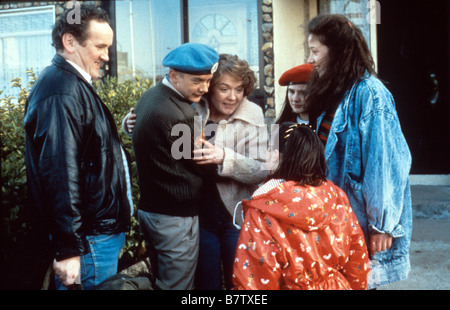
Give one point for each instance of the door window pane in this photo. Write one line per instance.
(229, 26)
(146, 31)
(355, 10)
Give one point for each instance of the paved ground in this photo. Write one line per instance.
(430, 257)
(430, 244)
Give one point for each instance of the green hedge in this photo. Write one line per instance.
(22, 262)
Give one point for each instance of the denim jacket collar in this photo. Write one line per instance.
(339, 122)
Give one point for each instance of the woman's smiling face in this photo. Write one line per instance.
(318, 54)
(226, 96)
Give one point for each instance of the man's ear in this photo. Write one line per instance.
(68, 41)
(173, 76)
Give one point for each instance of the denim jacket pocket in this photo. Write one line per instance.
(355, 195)
(354, 188)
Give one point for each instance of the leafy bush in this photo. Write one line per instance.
(120, 98)
(15, 228)
(22, 264)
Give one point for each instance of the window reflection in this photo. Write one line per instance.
(229, 26)
(146, 30)
(356, 11)
(25, 42)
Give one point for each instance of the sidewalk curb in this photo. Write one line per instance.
(430, 201)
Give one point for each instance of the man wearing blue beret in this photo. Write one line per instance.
(170, 187)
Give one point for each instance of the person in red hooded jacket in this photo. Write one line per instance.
(299, 231)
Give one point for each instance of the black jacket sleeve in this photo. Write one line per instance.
(60, 129)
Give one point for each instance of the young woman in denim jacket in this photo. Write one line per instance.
(366, 151)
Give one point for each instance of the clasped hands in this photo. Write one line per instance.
(208, 153)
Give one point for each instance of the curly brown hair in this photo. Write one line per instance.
(238, 68)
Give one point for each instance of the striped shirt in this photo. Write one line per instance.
(324, 128)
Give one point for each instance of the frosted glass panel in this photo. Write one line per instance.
(25, 42)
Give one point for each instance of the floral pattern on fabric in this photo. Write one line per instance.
(301, 237)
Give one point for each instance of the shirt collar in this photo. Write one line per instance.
(168, 84)
(299, 120)
(83, 73)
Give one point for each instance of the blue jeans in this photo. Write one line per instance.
(101, 262)
(217, 249)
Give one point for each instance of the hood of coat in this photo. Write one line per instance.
(306, 207)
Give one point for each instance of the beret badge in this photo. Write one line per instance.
(214, 67)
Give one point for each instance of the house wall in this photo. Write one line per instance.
(290, 18)
(282, 45)
(59, 5)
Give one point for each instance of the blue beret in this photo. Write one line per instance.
(192, 58)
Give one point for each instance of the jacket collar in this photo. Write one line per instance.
(83, 73)
(339, 121)
(245, 112)
(62, 63)
(295, 204)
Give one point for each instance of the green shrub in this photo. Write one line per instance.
(120, 98)
(21, 261)
(16, 228)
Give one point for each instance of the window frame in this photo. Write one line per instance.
(111, 66)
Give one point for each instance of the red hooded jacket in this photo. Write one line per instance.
(300, 237)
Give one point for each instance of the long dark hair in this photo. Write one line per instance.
(287, 114)
(302, 155)
(349, 59)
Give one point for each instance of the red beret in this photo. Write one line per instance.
(296, 75)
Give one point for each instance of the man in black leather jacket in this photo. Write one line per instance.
(76, 167)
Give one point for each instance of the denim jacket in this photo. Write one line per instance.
(369, 159)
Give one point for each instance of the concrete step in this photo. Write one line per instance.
(431, 201)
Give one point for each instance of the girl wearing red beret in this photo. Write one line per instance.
(295, 79)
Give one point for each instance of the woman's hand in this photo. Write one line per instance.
(379, 243)
(208, 154)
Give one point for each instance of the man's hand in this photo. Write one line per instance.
(379, 243)
(67, 270)
(130, 121)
